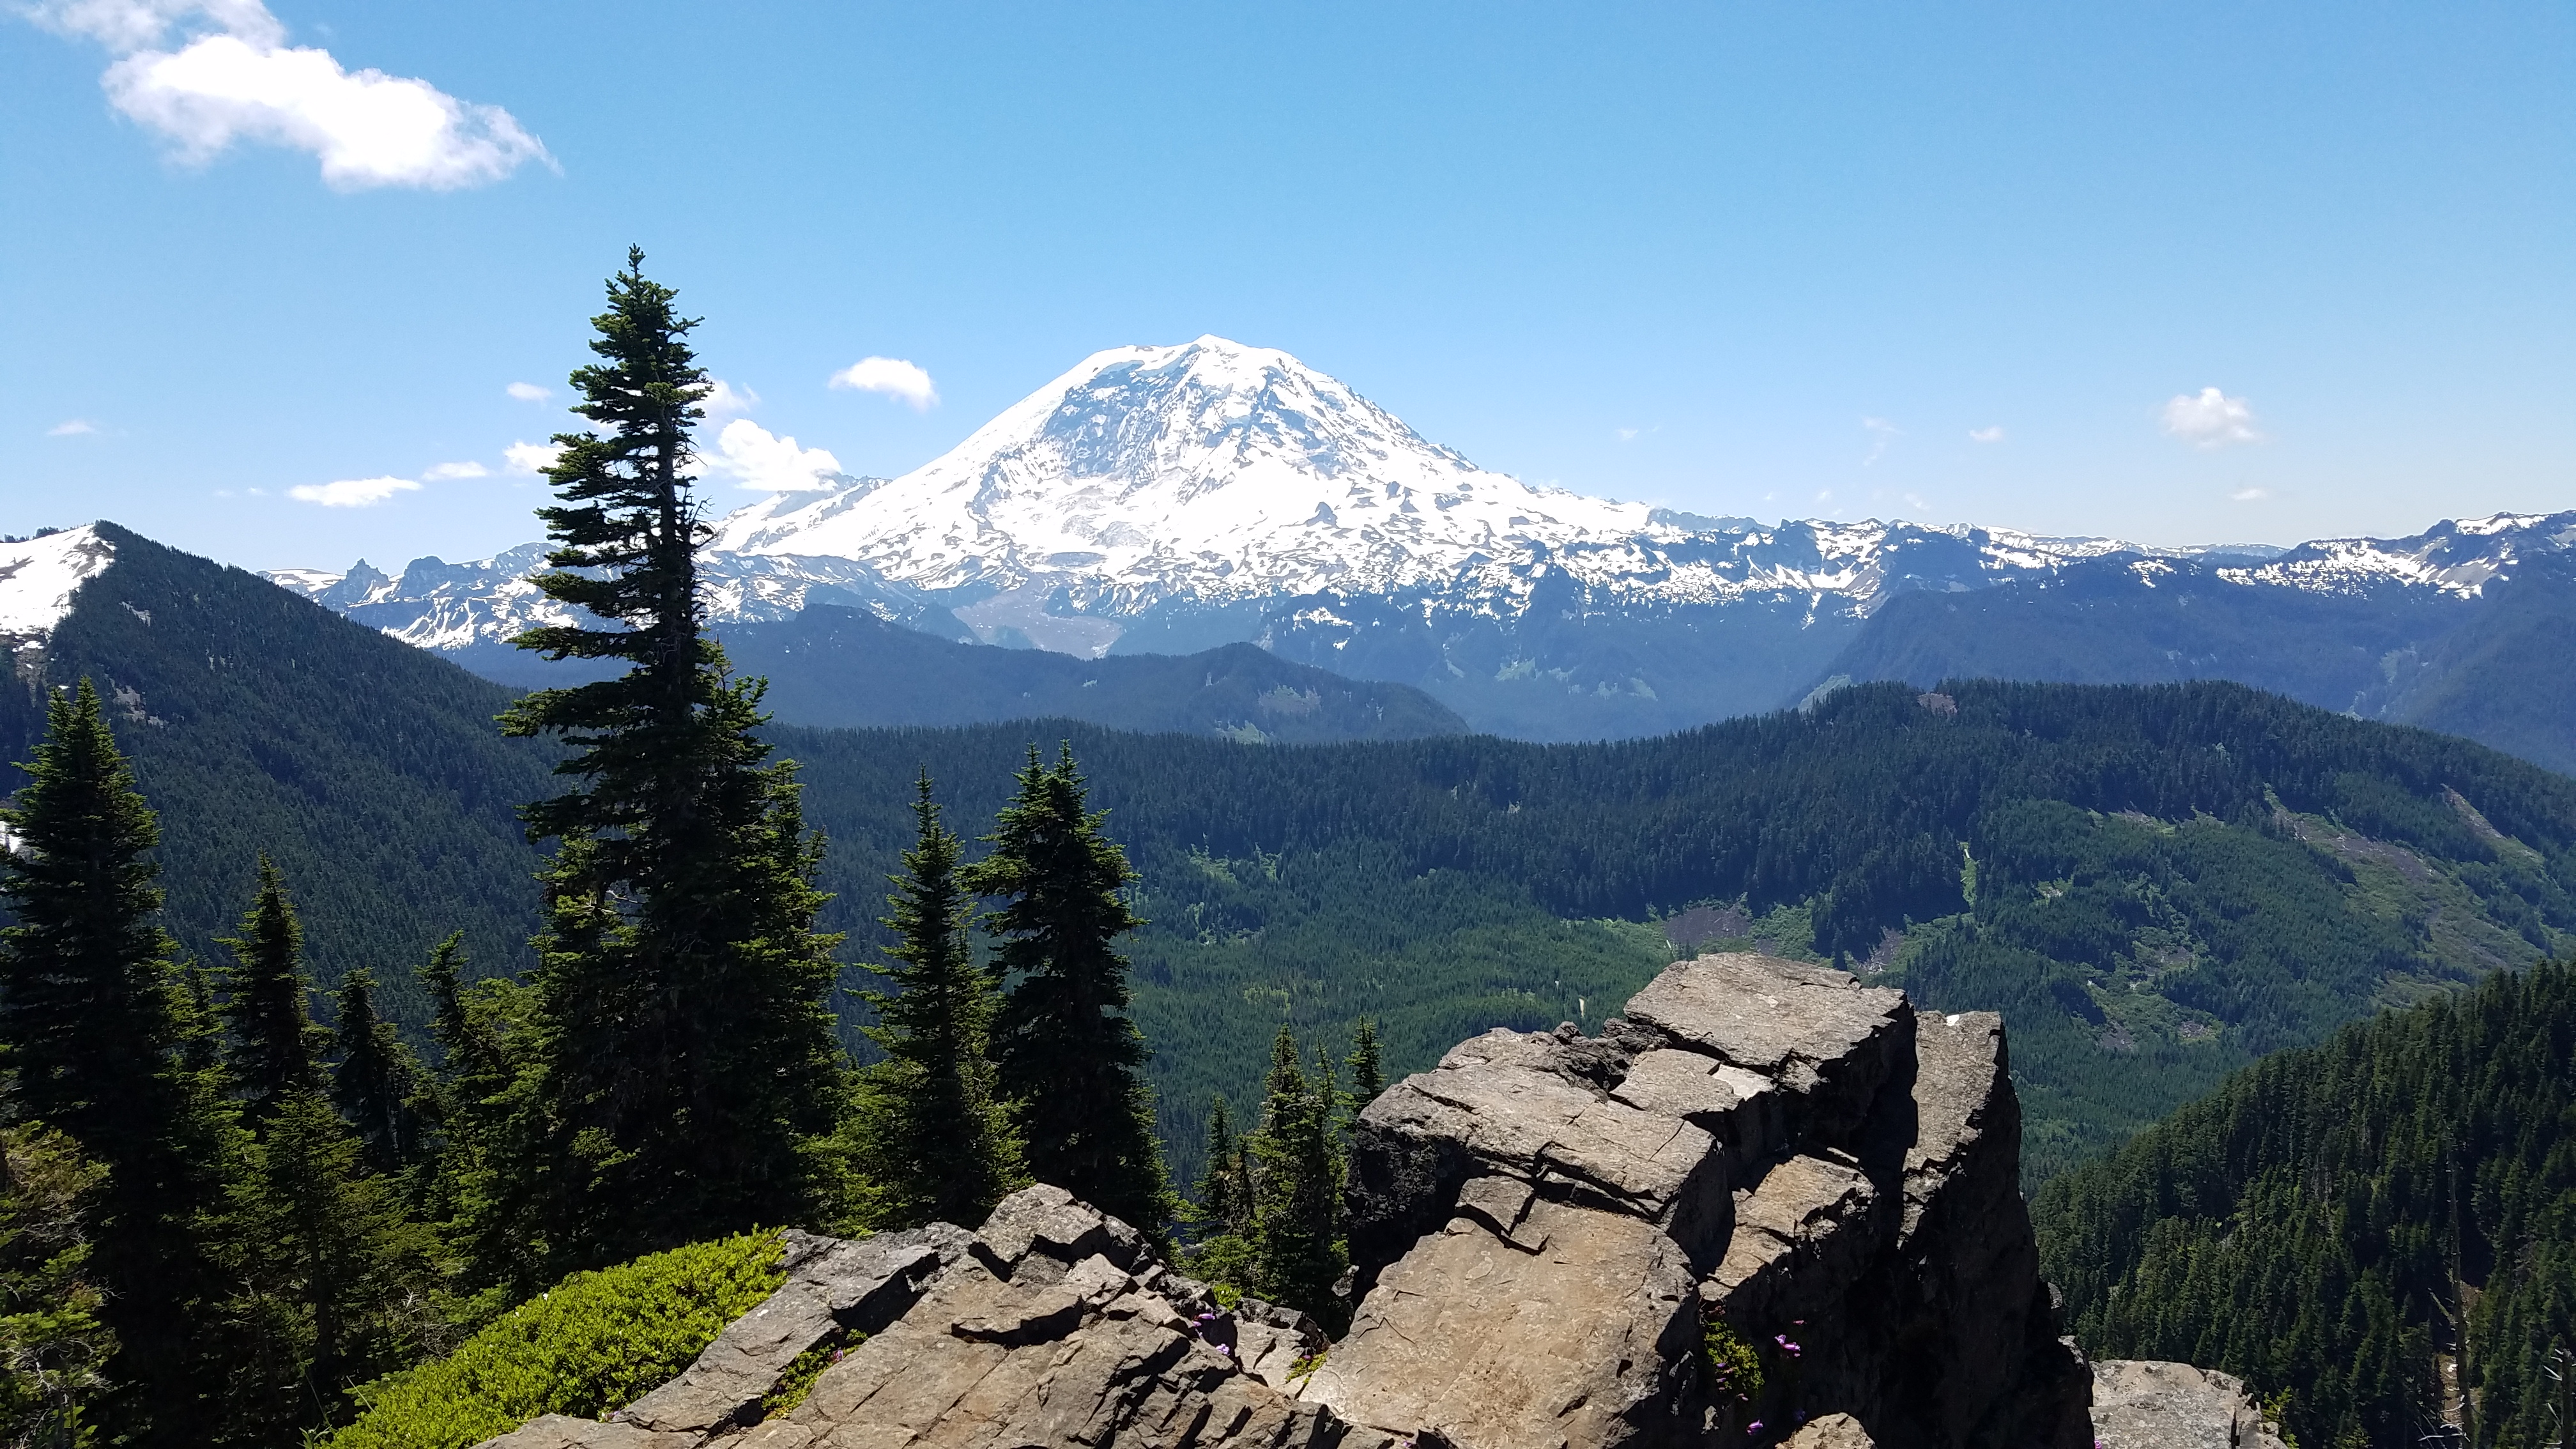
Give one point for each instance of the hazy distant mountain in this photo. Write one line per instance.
(2468, 628)
(1168, 500)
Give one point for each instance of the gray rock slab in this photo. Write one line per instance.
(1827, 1041)
(1589, 1341)
(1046, 1224)
(2142, 1404)
(1833, 1431)
(1741, 1109)
(1802, 1239)
(833, 1287)
(562, 1431)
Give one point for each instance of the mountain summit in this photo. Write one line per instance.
(1210, 470)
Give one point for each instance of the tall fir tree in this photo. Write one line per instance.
(1368, 1066)
(108, 1051)
(274, 1046)
(1224, 1198)
(376, 1084)
(684, 1058)
(1298, 1242)
(1070, 1059)
(944, 1148)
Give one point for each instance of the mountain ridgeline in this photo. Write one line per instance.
(2378, 1233)
(2154, 884)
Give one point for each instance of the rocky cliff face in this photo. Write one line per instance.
(1767, 1205)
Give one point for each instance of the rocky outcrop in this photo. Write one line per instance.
(1056, 1324)
(1760, 1153)
(2138, 1404)
(1768, 1205)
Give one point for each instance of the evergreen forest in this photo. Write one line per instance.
(355, 1009)
(2378, 1233)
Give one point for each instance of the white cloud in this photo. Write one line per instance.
(351, 492)
(892, 376)
(756, 458)
(528, 392)
(1625, 435)
(236, 79)
(1994, 434)
(440, 472)
(2249, 495)
(1882, 432)
(2210, 419)
(531, 457)
(723, 399)
(71, 428)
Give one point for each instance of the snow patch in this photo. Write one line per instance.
(39, 577)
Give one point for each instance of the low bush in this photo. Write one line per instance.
(593, 1343)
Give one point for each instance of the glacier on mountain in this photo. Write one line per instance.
(1171, 499)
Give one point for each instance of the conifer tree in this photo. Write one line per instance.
(944, 1150)
(326, 1261)
(101, 1034)
(1368, 1070)
(1298, 1236)
(275, 1047)
(684, 1059)
(53, 1342)
(1070, 1059)
(1224, 1199)
(376, 1084)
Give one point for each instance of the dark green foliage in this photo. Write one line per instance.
(377, 1084)
(275, 1049)
(329, 1278)
(54, 1340)
(367, 769)
(594, 1343)
(1428, 884)
(1367, 1064)
(1224, 1192)
(100, 1032)
(2335, 1217)
(1297, 1158)
(683, 1058)
(944, 1150)
(1071, 1061)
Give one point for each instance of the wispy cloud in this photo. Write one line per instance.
(756, 458)
(234, 78)
(892, 376)
(724, 400)
(2210, 419)
(1994, 434)
(71, 428)
(529, 392)
(2249, 495)
(531, 457)
(441, 472)
(351, 492)
(1882, 432)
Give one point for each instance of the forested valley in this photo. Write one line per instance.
(353, 1002)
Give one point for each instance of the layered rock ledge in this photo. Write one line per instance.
(1767, 1205)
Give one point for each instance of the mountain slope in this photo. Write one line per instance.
(835, 667)
(2153, 883)
(2465, 628)
(2370, 1226)
(258, 721)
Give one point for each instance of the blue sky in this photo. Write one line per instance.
(1784, 260)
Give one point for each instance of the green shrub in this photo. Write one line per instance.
(594, 1342)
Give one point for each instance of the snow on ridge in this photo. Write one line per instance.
(39, 577)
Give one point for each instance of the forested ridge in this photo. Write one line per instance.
(2214, 872)
(2380, 1231)
(521, 988)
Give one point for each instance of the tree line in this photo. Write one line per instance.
(220, 1217)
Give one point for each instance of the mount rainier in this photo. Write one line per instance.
(1170, 499)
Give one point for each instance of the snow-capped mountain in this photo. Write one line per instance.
(1169, 499)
